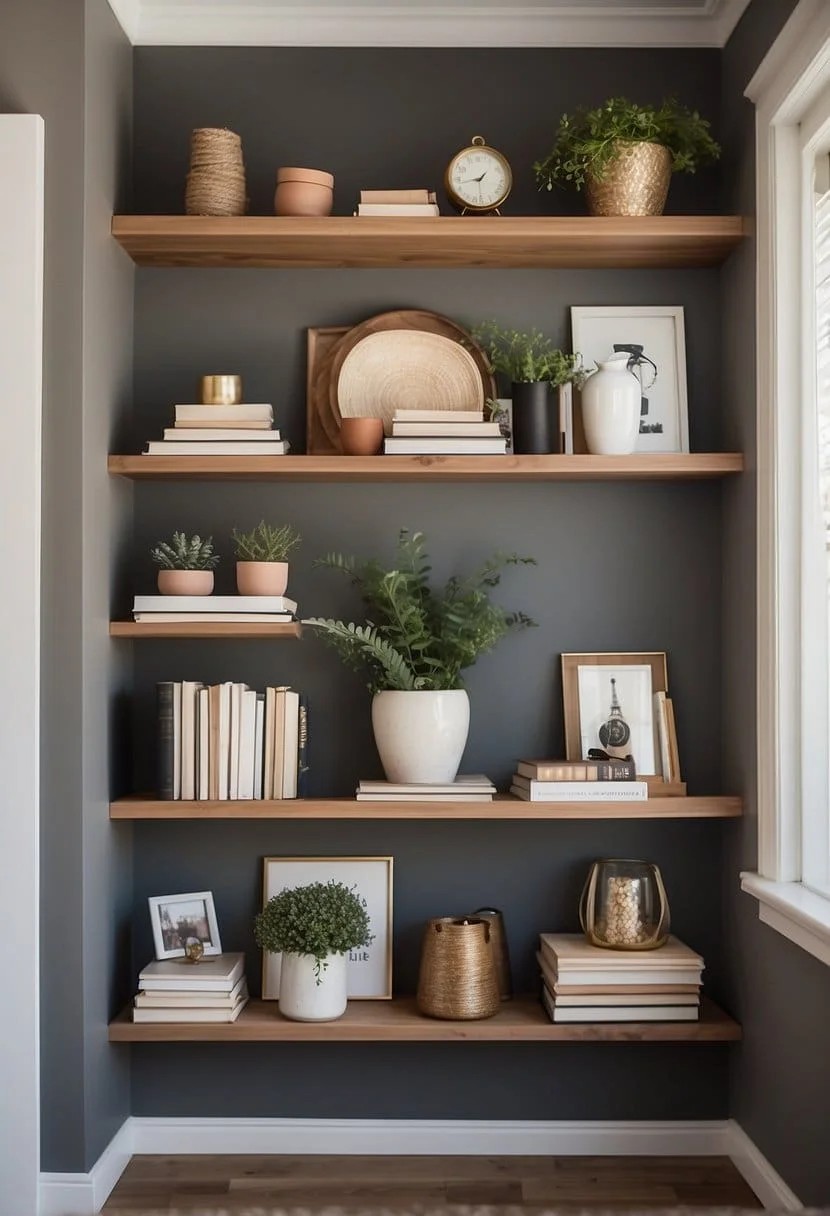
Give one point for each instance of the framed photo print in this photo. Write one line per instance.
(655, 340)
(609, 704)
(179, 919)
(369, 971)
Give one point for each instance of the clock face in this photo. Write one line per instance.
(479, 178)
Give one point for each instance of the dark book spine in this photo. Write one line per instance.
(302, 749)
(616, 770)
(165, 736)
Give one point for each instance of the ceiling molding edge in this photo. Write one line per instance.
(234, 24)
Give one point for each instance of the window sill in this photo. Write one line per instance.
(788, 907)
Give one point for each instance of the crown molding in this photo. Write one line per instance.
(551, 24)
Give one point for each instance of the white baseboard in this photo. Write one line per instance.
(85, 1194)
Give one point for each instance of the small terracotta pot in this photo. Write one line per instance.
(261, 578)
(185, 582)
(304, 192)
(361, 436)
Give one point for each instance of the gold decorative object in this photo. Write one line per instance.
(216, 181)
(220, 390)
(194, 950)
(457, 979)
(635, 182)
(498, 946)
(624, 905)
(478, 179)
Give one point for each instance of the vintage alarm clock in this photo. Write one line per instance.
(478, 178)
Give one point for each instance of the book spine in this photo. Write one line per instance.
(164, 746)
(581, 770)
(302, 749)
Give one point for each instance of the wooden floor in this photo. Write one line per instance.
(228, 1185)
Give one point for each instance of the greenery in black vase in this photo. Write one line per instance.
(527, 358)
(319, 919)
(185, 552)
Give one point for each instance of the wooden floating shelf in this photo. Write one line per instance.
(649, 467)
(442, 241)
(522, 1020)
(503, 807)
(205, 629)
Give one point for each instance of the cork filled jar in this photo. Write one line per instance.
(624, 905)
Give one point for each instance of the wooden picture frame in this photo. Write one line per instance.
(373, 877)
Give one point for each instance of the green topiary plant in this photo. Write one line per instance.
(185, 553)
(586, 142)
(416, 638)
(527, 358)
(319, 919)
(265, 543)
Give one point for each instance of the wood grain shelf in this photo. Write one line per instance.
(205, 629)
(503, 807)
(442, 241)
(522, 1020)
(680, 466)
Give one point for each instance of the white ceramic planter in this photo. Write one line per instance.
(185, 582)
(611, 409)
(421, 736)
(306, 998)
(261, 578)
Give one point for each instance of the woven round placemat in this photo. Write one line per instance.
(216, 179)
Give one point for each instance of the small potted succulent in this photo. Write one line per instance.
(313, 927)
(534, 367)
(186, 565)
(624, 154)
(262, 558)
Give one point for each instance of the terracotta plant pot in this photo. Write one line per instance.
(361, 436)
(261, 578)
(185, 582)
(304, 192)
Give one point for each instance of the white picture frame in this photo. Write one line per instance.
(168, 915)
(369, 970)
(661, 331)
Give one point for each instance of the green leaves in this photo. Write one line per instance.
(185, 553)
(265, 543)
(319, 919)
(527, 357)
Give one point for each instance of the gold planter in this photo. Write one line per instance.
(635, 182)
(457, 979)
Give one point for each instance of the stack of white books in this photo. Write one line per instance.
(585, 983)
(220, 430)
(225, 609)
(176, 990)
(577, 781)
(444, 433)
(474, 788)
(409, 203)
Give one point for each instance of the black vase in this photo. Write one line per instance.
(535, 419)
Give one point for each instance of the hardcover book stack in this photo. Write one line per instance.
(475, 788)
(220, 430)
(227, 741)
(411, 203)
(585, 983)
(223, 609)
(176, 990)
(444, 433)
(577, 781)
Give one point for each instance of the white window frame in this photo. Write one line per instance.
(785, 89)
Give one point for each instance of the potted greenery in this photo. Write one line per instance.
(624, 154)
(415, 644)
(186, 565)
(313, 928)
(534, 367)
(262, 558)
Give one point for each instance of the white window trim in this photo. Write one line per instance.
(788, 82)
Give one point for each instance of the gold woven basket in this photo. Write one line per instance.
(457, 980)
(635, 182)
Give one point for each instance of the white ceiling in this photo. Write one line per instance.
(429, 22)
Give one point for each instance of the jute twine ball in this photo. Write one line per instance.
(216, 181)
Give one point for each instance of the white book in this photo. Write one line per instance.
(259, 744)
(291, 739)
(250, 427)
(634, 1001)
(406, 209)
(203, 785)
(582, 791)
(190, 691)
(190, 1015)
(424, 797)
(158, 447)
(235, 739)
(224, 740)
(445, 447)
(214, 603)
(215, 434)
(268, 745)
(452, 430)
(279, 742)
(247, 743)
(192, 1000)
(574, 961)
(438, 416)
(224, 413)
(220, 973)
(465, 783)
(177, 739)
(215, 618)
(619, 1013)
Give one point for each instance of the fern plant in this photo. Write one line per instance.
(265, 543)
(185, 553)
(417, 638)
(526, 358)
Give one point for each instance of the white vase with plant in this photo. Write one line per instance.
(262, 558)
(186, 565)
(313, 927)
(415, 645)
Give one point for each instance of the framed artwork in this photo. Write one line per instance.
(655, 339)
(179, 919)
(369, 971)
(609, 704)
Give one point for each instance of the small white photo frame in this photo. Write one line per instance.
(178, 918)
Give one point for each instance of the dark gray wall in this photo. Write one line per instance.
(620, 567)
(781, 1073)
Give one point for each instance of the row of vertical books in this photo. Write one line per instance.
(227, 741)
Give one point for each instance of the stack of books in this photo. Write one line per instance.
(227, 741)
(220, 430)
(397, 202)
(444, 433)
(225, 609)
(577, 781)
(175, 990)
(585, 983)
(475, 788)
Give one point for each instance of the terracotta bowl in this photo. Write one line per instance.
(261, 578)
(361, 436)
(304, 192)
(185, 582)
